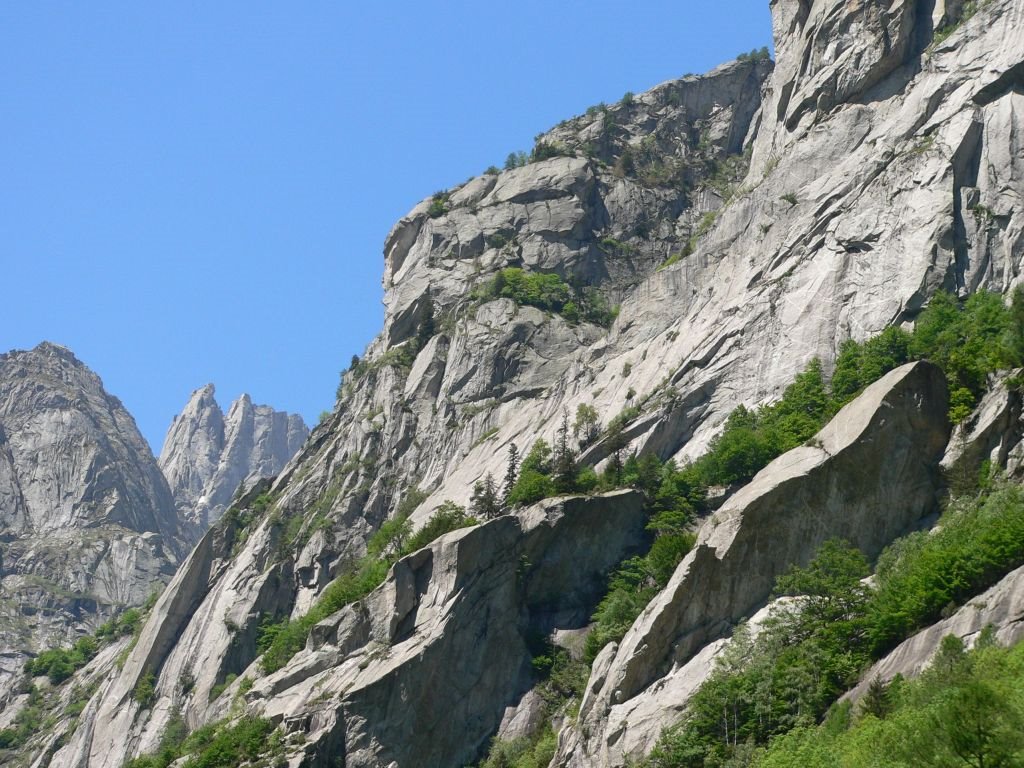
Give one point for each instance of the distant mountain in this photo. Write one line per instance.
(87, 521)
(206, 455)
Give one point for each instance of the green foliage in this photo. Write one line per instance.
(145, 690)
(516, 160)
(352, 585)
(439, 204)
(858, 365)
(671, 499)
(534, 481)
(816, 646)
(545, 291)
(219, 688)
(247, 741)
(523, 753)
(969, 341)
(757, 54)
(549, 292)
(446, 518)
(674, 258)
(808, 652)
(59, 664)
(753, 438)
(279, 641)
(942, 33)
(966, 710)
(486, 499)
(544, 150)
(390, 538)
(976, 543)
(587, 426)
(27, 723)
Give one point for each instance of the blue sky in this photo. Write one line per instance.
(198, 192)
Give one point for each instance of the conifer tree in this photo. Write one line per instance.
(485, 498)
(565, 459)
(511, 472)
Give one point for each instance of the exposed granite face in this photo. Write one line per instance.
(744, 222)
(87, 524)
(208, 456)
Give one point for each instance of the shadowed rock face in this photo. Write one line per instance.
(867, 477)
(207, 456)
(86, 519)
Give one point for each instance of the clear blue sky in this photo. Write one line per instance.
(200, 191)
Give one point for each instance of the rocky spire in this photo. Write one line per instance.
(207, 456)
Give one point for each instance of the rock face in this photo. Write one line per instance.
(376, 684)
(206, 456)
(867, 477)
(87, 523)
(742, 223)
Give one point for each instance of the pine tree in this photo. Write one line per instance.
(876, 699)
(565, 459)
(616, 443)
(511, 473)
(485, 498)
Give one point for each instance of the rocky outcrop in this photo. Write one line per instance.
(377, 682)
(1001, 608)
(88, 524)
(206, 456)
(868, 476)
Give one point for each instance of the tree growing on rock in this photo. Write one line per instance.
(564, 468)
(587, 427)
(534, 482)
(485, 502)
(511, 472)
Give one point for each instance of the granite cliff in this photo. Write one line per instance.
(712, 236)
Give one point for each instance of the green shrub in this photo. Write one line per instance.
(145, 690)
(975, 544)
(965, 710)
(544, 150)
(548, 292)
(439, 204)
(757, 54)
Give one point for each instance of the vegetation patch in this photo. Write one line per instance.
(250, 741)
(280, 640)
(547, 291)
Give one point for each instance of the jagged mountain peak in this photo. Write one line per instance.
(207, 455)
